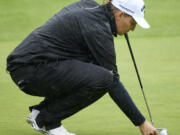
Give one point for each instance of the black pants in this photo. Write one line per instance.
(70, 86)
(67, 86)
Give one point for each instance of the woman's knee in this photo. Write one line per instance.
(103, 79)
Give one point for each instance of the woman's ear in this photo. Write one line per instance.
(119, 14)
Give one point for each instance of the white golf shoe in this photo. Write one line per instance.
(57, 131)
(31, 119)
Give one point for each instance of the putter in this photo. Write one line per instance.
(161, 131)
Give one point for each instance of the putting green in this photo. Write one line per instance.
(157, 55)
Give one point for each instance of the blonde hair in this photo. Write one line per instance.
(106, 1)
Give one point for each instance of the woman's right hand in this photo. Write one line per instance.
(147, 129)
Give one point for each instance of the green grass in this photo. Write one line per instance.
(156, 51)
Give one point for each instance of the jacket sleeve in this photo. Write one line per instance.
(101, 45)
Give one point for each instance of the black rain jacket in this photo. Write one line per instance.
(82, 31)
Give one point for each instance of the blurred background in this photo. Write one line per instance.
(157, 53)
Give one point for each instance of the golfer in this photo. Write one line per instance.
(71, 62)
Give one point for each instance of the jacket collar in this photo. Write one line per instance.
(110, 15)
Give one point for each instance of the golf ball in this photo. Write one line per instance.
(163, 132)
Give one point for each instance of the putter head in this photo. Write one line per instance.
(162, 131)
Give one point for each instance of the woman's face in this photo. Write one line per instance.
(124, 23)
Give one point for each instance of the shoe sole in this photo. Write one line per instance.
(31, 122)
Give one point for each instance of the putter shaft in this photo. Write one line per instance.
(132, 56)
